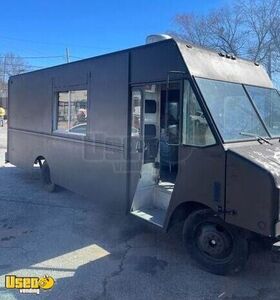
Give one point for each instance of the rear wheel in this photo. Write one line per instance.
(48, 185)
(216, 246)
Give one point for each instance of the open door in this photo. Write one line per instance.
(153, 159)
(136, 140)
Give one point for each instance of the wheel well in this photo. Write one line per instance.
(183, 210)
(39, 159)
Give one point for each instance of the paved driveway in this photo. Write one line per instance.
(96, 255)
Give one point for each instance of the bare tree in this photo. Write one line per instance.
(220, 30)
(10, 64)
(275, 36)
(249, 29)
(193, 28)
(262, 17)
(227, 30)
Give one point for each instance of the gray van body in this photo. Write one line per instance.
(232, 179)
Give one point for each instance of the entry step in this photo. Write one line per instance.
(167, 186)
(152, 215)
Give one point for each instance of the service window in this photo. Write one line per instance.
(71, 112)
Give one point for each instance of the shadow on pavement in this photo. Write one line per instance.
(96, 254)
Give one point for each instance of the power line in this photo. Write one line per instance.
(28, 66)
(40, 57)
(18, 65)
(33, 57)
(77, 57)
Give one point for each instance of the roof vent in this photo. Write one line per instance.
(154, 38)
(222, 54)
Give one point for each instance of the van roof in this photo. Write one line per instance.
(205, 63)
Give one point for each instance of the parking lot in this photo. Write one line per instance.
(95, 254)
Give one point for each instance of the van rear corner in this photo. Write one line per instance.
(6, 157)
(275, 252)
(275, 249)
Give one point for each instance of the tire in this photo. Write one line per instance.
(47, 183)
(214, 245)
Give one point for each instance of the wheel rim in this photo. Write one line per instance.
(214, 241)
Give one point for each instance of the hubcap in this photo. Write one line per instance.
(214, 241)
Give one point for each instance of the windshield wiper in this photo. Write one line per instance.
(259, 138)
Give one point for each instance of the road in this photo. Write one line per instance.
(93, 255)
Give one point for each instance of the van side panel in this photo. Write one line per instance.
(98, 164)
(153, 62)
(30, 102)
(200, 179)
(94, 166)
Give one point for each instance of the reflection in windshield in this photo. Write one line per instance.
(231, 109)
(267, 101)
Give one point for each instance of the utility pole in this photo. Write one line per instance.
(4, 76)
(4, 68)
(67, 55)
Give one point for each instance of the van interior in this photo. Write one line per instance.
(156, 111)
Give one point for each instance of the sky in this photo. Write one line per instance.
(87, 28)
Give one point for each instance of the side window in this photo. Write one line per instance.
(72, 112)
(196, 131)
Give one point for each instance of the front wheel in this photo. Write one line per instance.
(216, 246)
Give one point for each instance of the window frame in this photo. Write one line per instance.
(249, 139)
(200, 100)
(140, 133)
(62, 133)
(271, 136)
(208, 117)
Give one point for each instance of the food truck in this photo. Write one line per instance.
(167, 132)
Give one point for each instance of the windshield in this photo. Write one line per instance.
(267, 102)
(231, 110)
